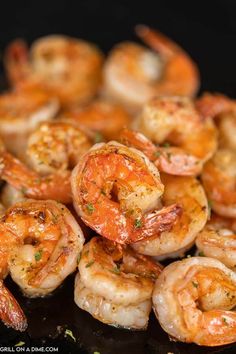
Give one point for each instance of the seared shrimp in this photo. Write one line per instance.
(189, 194)
(67, 67)
(56, 146)
(192, 299)
(223, 109)
(114, 182)
(10, 311)
(134, 74)
(218, 240)
(168, 159)
(49, 242)
(20, 113)
(175, 120)
(100, 119)
(219, 180)
(115, 284)
(54, 186)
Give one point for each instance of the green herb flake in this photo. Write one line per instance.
(166, 145)
(115, 270)
(103, 192)
(19, 344)
(195, 284)
(224, 320)
(137, 223)
(98, 138)
(79, 258)
(89, 264)
(38, 255)
(90, 208)
(96, 352)
(201, 254)
(157, 154)
(23, 190)
(69, 333)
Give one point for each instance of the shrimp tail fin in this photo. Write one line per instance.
(158, 221)
(10, 311)
(211, 105)
(16, 61)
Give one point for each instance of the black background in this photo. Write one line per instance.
(207, 30)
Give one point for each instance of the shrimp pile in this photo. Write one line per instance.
(109, 166)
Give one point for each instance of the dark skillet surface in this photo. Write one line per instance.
(209, 35)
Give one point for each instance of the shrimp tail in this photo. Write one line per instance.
(157, 221)
(17, 61)
(10, 311)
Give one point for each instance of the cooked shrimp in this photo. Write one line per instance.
(192, 299)
(114, 182)
(218, 240)
(219, 181)
(10, 311)
(223, 109)
(49, 242)
(21, 112)
(118, 281)
(54, 186)
(175, 120)
(134, 74)
(189, 194)
(67, 67)
(56, 146)
(171, 160)
(100, 119)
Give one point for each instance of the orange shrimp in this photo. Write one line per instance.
(133, 74)
(168, 159)
(115, 183)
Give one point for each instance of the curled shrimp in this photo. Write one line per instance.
(219, 180)
(192, 299)
(218, 240)
(10, 311)
(176, 121)
(168, 159)
(49, 241)
(99, 119)
(56, 146)
(31, 184)
(189, 194)
(21, 112)
(223, 109)
(115, 284)
(134, 74)
(67, 67)
(114, 182)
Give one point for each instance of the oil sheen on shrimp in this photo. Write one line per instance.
(218, 240)
(190, 195)
(115, 284)
(49, 241)
(134, 74)
(21, 111)
(67, 67)
(176, 121)
(115, 183)
(100, 119)
(219, 180)
(56, 146)
(192, 300)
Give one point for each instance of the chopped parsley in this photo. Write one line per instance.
(195, 284)
(137, 223)
(79, 258)
(69, 333)
(90, 208)
(157, 154)
(89, 264)
(224, 320)
(23, 190)
(98, 138)
(38, 255)
(115, 270)
(166, 145)
(201, 254)
(19, 344)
